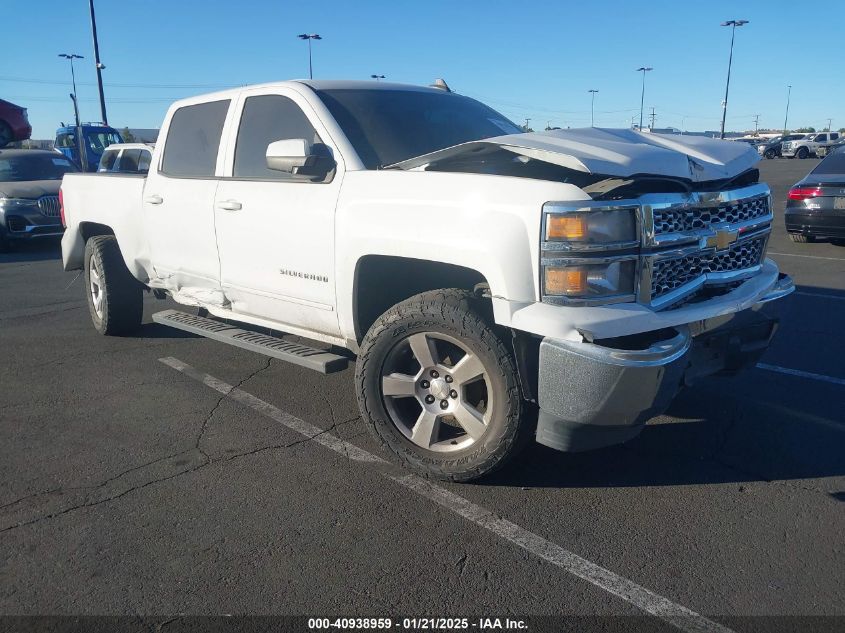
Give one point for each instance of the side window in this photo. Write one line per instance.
(193, 139)
(268, 118)
(144, 161)
(834, 136)
(107, 161)
(66, 140)
(129, 160)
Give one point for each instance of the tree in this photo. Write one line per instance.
(806, 129)
(128, 137)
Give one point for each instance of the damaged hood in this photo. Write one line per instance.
(620, 153)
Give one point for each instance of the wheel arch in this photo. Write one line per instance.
(382, 281)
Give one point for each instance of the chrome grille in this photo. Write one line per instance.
(49, 206)
(671, 274)
(682, 219)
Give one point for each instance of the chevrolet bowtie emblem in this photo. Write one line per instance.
(722, 239)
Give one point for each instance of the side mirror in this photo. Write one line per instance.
(288, 155)
(301, 159)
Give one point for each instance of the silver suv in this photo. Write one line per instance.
(806, 147)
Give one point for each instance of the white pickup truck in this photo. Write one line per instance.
(495, 286)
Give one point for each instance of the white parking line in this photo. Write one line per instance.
(802, 374)
(629, 591)
(835, 259)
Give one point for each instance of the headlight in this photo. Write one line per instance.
(16, 203)
(592, 227)
(585, 280)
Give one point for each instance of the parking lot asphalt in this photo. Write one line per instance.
(129, 487)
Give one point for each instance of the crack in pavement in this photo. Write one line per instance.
(87, 502)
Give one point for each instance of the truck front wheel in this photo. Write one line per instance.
(115, 298)
(802, 152)
(439, 386)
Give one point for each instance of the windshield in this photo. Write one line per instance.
(389, 126)
(36, 167)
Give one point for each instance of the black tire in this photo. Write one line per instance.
(121, 308)
(462, 316)
(769, 153)
(5, 134)
(802, 153)
(801, 239)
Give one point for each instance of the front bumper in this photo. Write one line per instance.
(602, 393)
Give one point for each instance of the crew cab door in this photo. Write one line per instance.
(178, 203)
(275, 230)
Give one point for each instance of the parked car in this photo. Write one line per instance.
(95, 139)
(828, 148)
(806, 147)
(126, 158)
(815, 206)
(771, 148)
(29, 194)
(14, 123)
(481, 274)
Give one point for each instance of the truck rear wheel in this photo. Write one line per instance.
(115, 298)
(439, 387)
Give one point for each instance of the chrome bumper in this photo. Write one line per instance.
(598, 394)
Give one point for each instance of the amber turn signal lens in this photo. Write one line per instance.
(566, 281)
(566, 227)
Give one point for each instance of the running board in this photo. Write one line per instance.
(311, 357)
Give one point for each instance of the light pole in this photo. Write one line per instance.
(786, 116)
(97, 64)
(377, 77)
(643, 70)
(592, 106)
(733, 24)
(80, 146)
(312, 36)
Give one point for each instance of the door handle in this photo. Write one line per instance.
(154, 199)
(229, 205)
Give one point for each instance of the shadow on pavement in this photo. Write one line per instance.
(35, 251)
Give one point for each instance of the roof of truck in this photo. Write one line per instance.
(315, 84)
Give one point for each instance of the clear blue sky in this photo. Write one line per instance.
(532, 59)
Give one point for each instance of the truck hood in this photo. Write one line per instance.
(619, 153)
(30, 188)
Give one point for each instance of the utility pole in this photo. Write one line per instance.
(653, 117)
(527, 120)
(643, 70)
(756, 122)
(788, 93)
(100, 67)
(592, 106)
(733, 24)
(829, 121)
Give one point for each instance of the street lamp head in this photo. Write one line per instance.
(377, 76)
(592, 90)
(644, 68)
(735, 22)
(306, 36)
(71, 56)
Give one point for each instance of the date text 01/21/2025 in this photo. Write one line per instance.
(417, 624)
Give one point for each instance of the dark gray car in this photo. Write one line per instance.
(29, 194)
(815, 206)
